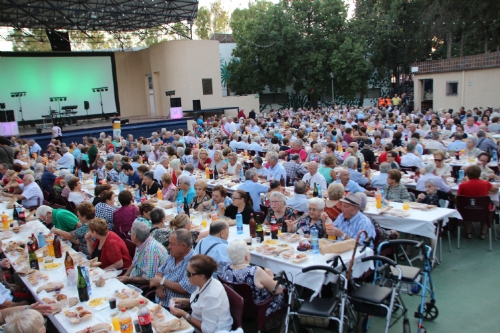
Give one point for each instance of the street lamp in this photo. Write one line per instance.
(332, 76)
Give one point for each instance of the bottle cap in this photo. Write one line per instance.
(123, 310)
(141, 301)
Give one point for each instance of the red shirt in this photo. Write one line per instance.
(474, 188)
(207, 163)
(383, 158)
(113, 250)
(347, 138)
(302, 153)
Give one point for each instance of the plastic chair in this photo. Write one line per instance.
(252, 309)
(131, 247)
(236, 306)
(475, 209)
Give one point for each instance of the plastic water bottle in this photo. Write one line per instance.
(314, 240)
(41, 239)
(494, 155)
(80, 174)
(460, 174)
(120, 186)
(239, 223)
(138, 195)
(320, 195)
(382, 192)
(180, 207)
(242, 176)
(96, 181)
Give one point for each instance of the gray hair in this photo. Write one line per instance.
(217, 226)
(300, 187)
(237, 251)
(185, 179)
(141, 231)
(149, 174)
(363, 198)
(157, 215)
(183, 236)
(410, 147)
(272, 156)
(39, 167)
(294, 157)
(25, 321)
(163, 159)
(316, 201)
(180, 150)
(350, 162)
(43, 211)
(481, 134)
(67, 178)
(278, 195)
(473, 139)
(189, 167)
(435, 135)
(63, 172)
(175, 164)
(384, 167)
(433, 181)
(51, 165)
(249, 174)
(430, 167)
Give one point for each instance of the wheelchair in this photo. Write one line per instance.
(417, 281)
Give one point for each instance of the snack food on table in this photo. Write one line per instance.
(270, 241)
(51, 286)
(131, 302)
(26, 271)
(97, 328)
(78, 316)
(126, 293)
(51, 266)
(304, 246)
(97, 301)
(299, 257)
(101, 282)
(60, 297)
(170, 326)
(48, 300)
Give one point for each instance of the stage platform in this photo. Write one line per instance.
(138, 126)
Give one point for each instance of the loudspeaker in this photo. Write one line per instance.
(59, 41)
(7, 116)
(175, 102)
(86, 105)
(196, 105)
(124, 121)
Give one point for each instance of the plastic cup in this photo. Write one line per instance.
(39, 256)
(256, 240)
(112, 303)
(406, 205)
(115, 321)
(248, 241)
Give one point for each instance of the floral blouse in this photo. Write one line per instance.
(397, 194)
(289, 214)
(304, 224)
(79, 235)
(194, 204)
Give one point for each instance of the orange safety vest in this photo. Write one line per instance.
(388, 101)
(381, 101)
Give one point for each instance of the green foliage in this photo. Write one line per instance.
(296, 101)
(29, 40)
(211, 20)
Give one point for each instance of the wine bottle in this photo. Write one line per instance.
(32, 256)
(259, 231)
(83, 292)
(68, 263)
(216, 173)
(282, 181)
(315, 191)
(186, 207)
(35, 242)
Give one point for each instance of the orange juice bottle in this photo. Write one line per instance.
(378, 200)
(363, 166)
(207, 173)
(126, 322)
(159, 194)
(50, 246)
(5, 221)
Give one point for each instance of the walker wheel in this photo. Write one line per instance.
(423, 330)
(406, 326)
(430, 311)
(362, 323)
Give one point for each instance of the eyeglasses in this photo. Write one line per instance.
(236, 198)
(189, 274)
(276, 202)
(435, 160)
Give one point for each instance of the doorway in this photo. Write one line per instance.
(157, 94)
(427, 91)
(151, 95)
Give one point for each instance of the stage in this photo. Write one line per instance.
(137, 126)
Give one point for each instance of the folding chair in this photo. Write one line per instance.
(476, 209)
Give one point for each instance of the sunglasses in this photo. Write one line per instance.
(189, 274)
(435, 160)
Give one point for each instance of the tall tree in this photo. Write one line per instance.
(34, 40)
(211, 20)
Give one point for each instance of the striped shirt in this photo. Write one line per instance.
(357, 223)
(148, 257)
(176, 273)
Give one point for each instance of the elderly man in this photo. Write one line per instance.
(133, 149)
(100, 167)
(297, 149)
(470, 126)
(275, 170)
(189, 170)
(419, 150)
(494, 126)
(161, 168)
(314, 177)
(349, 185)
(391, 159)
(353, 150)
(171, 280)
(133, 177)
(381, 180)
(234, 142)
(252, 186)
(457, 143)
(154, 137)
(254, 128)
(60, 218)
(149, 256)
(66, 161)
(430, 173)
(32, 195)
(34, 148)
(299, 199)
(48, 177)
(356, 176)
(122, 177)
(136, 161)
(448, 130)
(259, 168)
(293, 167)
(484, 143)
(215, 245)
(351, 221)
(410, 159)
(168, 138)
(255, 145)
(434, 142)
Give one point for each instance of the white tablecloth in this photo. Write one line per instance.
(418, 223)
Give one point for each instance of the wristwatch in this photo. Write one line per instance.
(188, 317)
(162, 281)
(342, 237)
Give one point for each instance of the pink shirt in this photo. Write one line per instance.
(302, 153)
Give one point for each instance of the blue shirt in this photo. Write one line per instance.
(189, 196)
(135, 165)
(47, 181)
(134, 179)
(352, 186)
(357, 223)
(217, 252)
(277, 171)
(35, 149)
(380, 180)
(123, 177)
(76, 153)
(456, 145)
(357, 177)
(165, 140)
(255, 189)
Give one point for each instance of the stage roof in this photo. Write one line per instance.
(104, 15)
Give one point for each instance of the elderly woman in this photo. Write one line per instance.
(106, 208)
(486, 173)
(377, 143)
(442, 169)
(394, 190)
(333, 206)
(168, 189)
(110, 172)
(145, 209)
(123, 149)
(209, 302)
(106, 246)
(203, 159)
(432, 195)
(316, 217)
(158, 230)
(327, 169)
(279, 211)
(233, 167)
(24, 319)
(149, 186)
(201, 194)
(260, 280)
(219, 197)
(77, 196)
(12, 181)
(470, 150)
(124, 216)
(171, 153)
(242, 203)
(176, 170)
(85, 212)
(475, 187)
(186, 189)
(315, 154)
(182, 221)
(39, 169)
(218, 162)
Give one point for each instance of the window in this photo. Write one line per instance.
(207, 86)
(451, 88)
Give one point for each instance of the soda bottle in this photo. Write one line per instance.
(57, 247)
(50, 246)
(253, 226)
(5, 221)
(274, 228)
(239, 223)
(68, 263)
(144, 318)
(32, 256)
(35, 242)
(207, 173)
(282, 181)
(126, 322)
(22, 215)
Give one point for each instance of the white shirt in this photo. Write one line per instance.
(254, 129)
(57, 131)
(159, 171)
(76, 197)
(212, 307)
(255, 147)
(5, 294)
(298, 202)
(33, 195)
(229, 128)
(317, 178)
(66, 161)
(442, 185)
(411, 160)
(433, 144)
